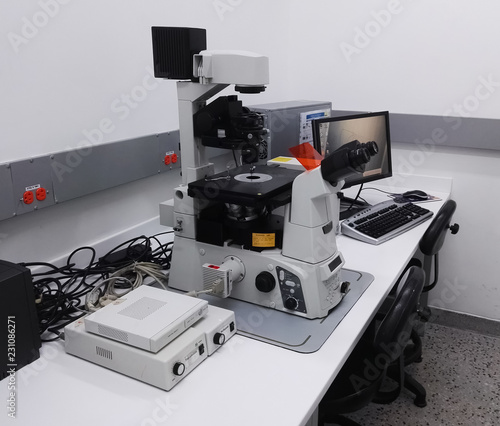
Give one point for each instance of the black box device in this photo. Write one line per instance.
(19, 331)
(173, 50)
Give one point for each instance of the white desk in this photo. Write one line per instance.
(245, 383)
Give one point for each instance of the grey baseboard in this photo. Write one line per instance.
(64, 176)
(465, 322)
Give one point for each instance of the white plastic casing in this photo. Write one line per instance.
(231, 67)
(147, 317)
(219, 325)
(163, 369)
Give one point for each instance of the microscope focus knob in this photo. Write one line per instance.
(179, 368)
(265, 282)
(291, 303)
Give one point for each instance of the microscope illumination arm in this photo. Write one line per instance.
(215, 70)
(191, 98)
(241, 68)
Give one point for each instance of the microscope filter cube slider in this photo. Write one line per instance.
(147, 317)
(163, 369)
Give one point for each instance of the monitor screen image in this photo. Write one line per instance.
(330, 134)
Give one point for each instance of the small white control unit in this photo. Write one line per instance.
(147, 318)
(163, 369)
(218, 325)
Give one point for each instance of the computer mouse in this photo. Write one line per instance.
(416, 194)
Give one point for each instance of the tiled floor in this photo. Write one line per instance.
(461, 372)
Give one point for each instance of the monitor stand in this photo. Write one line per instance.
(353, 206)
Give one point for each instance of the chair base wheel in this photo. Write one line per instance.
(420, 402)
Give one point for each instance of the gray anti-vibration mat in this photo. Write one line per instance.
(291, 331)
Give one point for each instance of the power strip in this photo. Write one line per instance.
(135, 253)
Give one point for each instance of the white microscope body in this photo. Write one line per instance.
(299, 274)
(302, 277)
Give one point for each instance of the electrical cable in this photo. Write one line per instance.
(68, 292)
(355, 199)
(380, 190)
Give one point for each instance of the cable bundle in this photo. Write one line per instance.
(123, 281)
(64, 294)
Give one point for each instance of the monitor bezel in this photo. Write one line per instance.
(357, 179)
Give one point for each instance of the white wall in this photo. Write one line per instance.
(62, 75)
(68, 65)
(419, 57)
(468, 261)
(425, 57)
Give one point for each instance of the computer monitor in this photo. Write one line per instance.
(331, 133)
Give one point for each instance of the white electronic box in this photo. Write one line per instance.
(169, 365)
(147, 317)
(163, 369)
(219, 326)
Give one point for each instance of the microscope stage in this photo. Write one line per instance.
(262, 186)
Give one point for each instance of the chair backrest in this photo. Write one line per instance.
(395, 329)
(433, 238)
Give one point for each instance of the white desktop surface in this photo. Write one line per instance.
(245, 383)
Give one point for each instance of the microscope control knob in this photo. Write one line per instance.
(291, 303)
(179, 368)
(344, 287)
(265, 282)
(219, 339)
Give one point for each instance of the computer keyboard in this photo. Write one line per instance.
(383, 221)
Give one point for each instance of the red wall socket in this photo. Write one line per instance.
(41, 194)
(28, 197)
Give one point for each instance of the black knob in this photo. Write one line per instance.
(219, 338)
(291, 303)
(265, 282)
(179, 368)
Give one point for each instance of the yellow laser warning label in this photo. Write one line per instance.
(263, 240)
(282, 159)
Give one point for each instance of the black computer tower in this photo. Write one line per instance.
(19, 330)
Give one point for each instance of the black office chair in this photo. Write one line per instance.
(360, 379)
(431, 243)
(429, 246)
